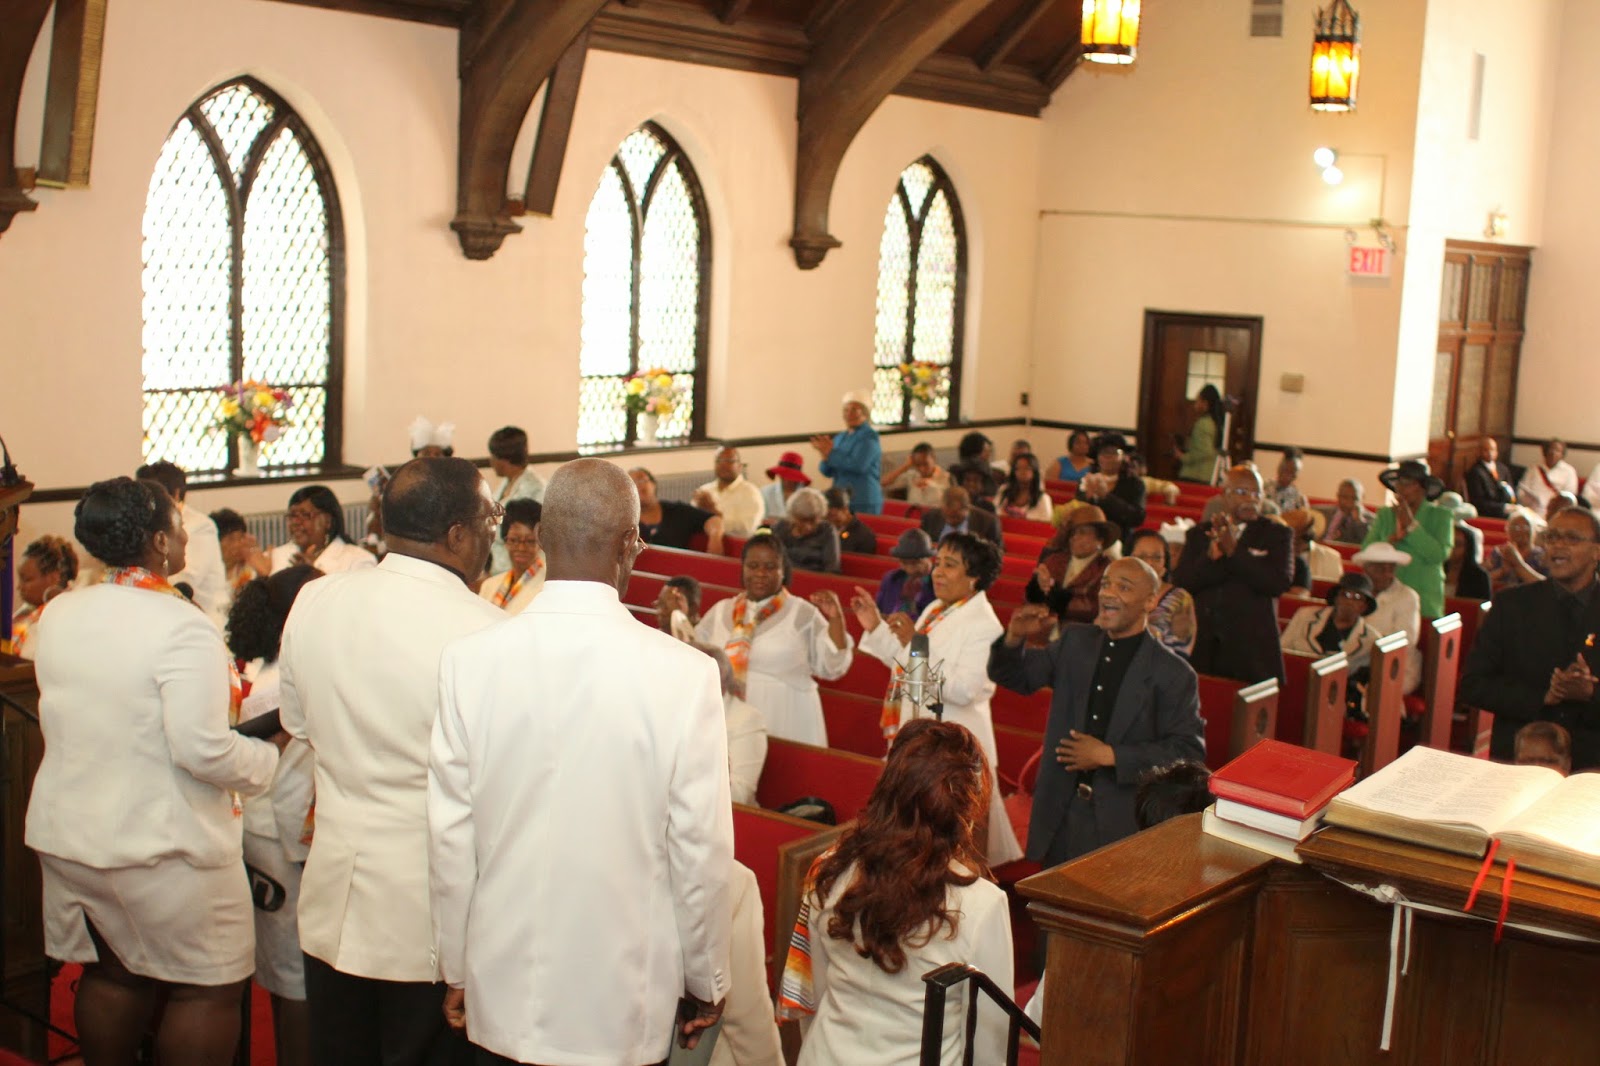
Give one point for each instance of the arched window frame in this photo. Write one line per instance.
(915, 222)
(237, 195)
(639, 208)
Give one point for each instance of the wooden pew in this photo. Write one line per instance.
(1472, 614)
(1013, 749)
(1440, 671)
(1385, 703)
(794, 770)
(853, 722)
(1013, 709)
(1236, 716)
(779, 850)
(1311, 707)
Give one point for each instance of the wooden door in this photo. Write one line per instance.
(1481, 303)
(1182, 354)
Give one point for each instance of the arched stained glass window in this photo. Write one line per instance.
(243, 281)
(646, 290)
(922, 272)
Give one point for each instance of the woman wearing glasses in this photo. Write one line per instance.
(316, 535)
(513, 590)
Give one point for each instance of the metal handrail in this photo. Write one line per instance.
(939, 983)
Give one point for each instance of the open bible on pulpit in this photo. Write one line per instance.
(1543, 821)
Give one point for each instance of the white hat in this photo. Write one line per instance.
(1177, 530)
(423, 433)
(859, 396)
(1381, 552)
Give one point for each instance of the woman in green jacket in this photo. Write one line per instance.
(1197, 459)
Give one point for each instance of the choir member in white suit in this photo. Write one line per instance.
(960, 625)
(317, 537)
(779, 643)
(203, 569)
(513, 590)
(581, 830)
(135, 809)
(359, 672)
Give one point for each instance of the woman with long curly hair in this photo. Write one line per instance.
(904, 892)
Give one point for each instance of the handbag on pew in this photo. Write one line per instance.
(812, 809)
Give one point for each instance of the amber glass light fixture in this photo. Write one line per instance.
(1110, 30)
(1336, 58)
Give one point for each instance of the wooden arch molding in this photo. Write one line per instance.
(20, 23)
(861, 54)
(508, 48)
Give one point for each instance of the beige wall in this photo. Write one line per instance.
(490, 343)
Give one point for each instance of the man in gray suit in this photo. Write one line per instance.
(1122, 704)
(958, 515)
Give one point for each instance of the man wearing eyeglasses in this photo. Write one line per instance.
(360, 675)
(1236, 567)
(1536, 655)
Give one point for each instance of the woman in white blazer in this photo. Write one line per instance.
(779, 643)
(1340, 626)
(871, 936)
(135, 809)
(515, 588)
(960, 625)
(317, 537)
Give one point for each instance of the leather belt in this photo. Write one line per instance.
(1085, 791)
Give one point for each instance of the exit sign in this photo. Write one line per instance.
(1368, 262)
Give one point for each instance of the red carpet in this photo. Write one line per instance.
(64, 991)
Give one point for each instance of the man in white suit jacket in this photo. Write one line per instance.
(360, 677)
(203, 571)
(581, 830)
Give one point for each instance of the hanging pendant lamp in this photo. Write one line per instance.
(1110, 30)
(1336, 58)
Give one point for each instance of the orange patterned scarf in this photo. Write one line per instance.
(744, 630)
(889, 720)
(511, 583)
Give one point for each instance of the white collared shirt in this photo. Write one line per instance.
(740, 505)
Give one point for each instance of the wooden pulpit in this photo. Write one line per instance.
(25, 981)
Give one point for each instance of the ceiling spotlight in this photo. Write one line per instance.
(1324, 157)
(1332, 175)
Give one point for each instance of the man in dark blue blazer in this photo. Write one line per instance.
(1122, 704)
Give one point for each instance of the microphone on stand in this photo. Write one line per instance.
(917, 669)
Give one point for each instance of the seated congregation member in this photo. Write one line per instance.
(1419, 528)
(1115, 490)
(957, 515)
(1464, 575)
(1340, 626)
(1350, 519)
(513, 590)
(1023, 495)
(1546, 479)
(1533, 659)
(731, 495)
(1489, 481)
(1236, 567)
(920, 480)
(1067, 579)
(1153, 486)
(1313, 561)
(806, 534)
(670, 523)
(1197, 455)
(785, 476)
(854, 535)
(1182, 787)
(1520, 559)
(1172, 619)
(779, 643)
(48, 568)
(907, 589)
(1544, 744)
(242, 558)
(960, 625)
(749, 1028)
(1077, 462)
(277, 823)
(1121, 704)
(678, 607)
(508, 458)
(430, 441)
(317, 537)
(204, 572)
(981, 484)
(853, 457)
(1283, 491)
(1591, 489)
(747, 733)
(1399, 607)
(904, 892)
(1558, 503)
(132, 811)
(359, 683)
(975, 450)
(1020, 446)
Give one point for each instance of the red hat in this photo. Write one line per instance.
(791, 467)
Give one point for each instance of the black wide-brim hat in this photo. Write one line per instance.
(1354, 582)
(1414, 470)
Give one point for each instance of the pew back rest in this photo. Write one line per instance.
(779, 850)
(794, 770)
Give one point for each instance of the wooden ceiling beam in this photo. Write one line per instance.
(1062, 66)
(555, 128)
(733, 10)
(869, 48)
(450, 13)
(20, 23)
(1011, 33)
(508, 48)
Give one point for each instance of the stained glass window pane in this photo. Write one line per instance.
(641, 151)
(918, 179)
(607, 279)
(669, 277)
(238, 115)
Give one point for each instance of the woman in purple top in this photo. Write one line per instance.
(908, 589)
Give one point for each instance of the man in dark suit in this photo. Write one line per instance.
(1236, 568)
(1489, 482)
(1536, 655)
(1122, 704)
(959, 516)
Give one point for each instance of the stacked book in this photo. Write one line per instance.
(1273, 796)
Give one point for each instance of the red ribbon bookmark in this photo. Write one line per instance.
(1483, 873)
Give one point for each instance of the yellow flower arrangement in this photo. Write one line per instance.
(652, 392)
(254, 409)
(924, 381)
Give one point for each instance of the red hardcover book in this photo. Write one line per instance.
(1283, 778)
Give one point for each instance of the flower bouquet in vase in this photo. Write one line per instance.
(922, 383)
(650, 396)
(254, 413)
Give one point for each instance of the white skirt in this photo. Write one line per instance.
(280, 967)
(171, 921)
